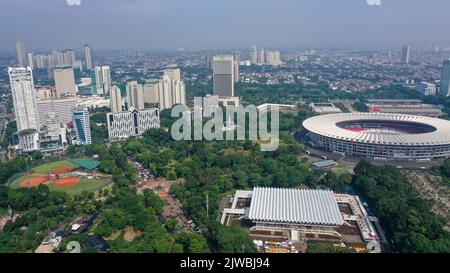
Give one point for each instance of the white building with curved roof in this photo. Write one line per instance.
(380, 135)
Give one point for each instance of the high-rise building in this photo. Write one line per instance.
(170, 92)
(21, 55)
(64, 58)
(81, 125)
(40, 61)
(131, 123)
(88, 61)
(208, 60)
(62, 108)
(261, 57)
(106, 79)
(236, 60)
(77, 70)
(173, 73)
(101, 80)
(65, 82)
(254, 56)
(445, 79)
(30, 60)
(223, 71)
(116, 99)
(405, 54)
(25, 110)
(135, 95)
(151, 91)
(96, 76)
(273, 58)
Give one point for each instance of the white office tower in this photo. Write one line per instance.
(173, 73)
(135, 95)
(24, 102)
(88, 61)
(405, 54)
(131, 123)
(277, 57)
(81, 125)
(445, 79)
(106, 79)
(151, 91)
(261, 57)
(21, 55)
(115, 99)
(223, 71)
(65, 82)
(254, 56)
(30, 60)
(40, 61)
(170, 92)
(64, 58)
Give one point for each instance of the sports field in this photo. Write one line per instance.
(71, 186)
(56, 167)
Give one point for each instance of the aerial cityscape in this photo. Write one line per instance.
(189, 135)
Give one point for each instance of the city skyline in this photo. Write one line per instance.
(204, 25)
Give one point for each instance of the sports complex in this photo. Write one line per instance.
(380, 136)
(72, 176)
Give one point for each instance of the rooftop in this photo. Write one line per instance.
(296, 206)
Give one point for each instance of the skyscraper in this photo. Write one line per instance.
(30, 60)
(254, 56)
(223, 71)
(21, 55)
(65, 82)
(96, 76)
(106, 79)
(236, 60)
(405, 54)
(25, 110)
(89, 63)
(115, 99)
(261, 57)
(135, 95)
(81, 125)
(445, 79)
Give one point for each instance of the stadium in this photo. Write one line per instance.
(380, 136)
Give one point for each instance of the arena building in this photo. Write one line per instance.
(297, 215)
(381, 136)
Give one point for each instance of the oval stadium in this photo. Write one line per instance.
(380, 136)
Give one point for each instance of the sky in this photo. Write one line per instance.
(222, 24)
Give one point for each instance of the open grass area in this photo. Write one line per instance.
(45, 168)
(90, 185)
(340, 171)
(3, 211)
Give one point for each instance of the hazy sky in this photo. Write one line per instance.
(209, 24)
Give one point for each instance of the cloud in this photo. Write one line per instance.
(374, 2)
(73, 2)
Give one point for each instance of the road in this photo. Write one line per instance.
(173, 208)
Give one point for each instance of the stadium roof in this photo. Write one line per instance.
(294, 206)
(326, 126)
